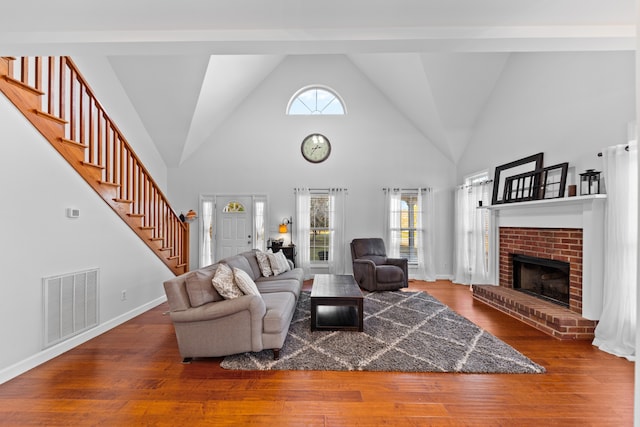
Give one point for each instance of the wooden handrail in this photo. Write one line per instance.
(66, 95)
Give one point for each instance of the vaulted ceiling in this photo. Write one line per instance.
(437, 61)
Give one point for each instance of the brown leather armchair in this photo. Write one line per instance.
(373, 270)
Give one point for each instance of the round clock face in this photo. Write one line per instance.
(315, 148)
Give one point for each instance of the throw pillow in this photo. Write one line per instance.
(263, 262)
(244, 282)
(200, 288)
(224, 284)
(278, 263)
(282, 260)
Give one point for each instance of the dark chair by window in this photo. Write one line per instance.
(373, 270)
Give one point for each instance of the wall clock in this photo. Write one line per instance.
(315, 148)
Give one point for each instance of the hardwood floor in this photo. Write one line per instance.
(132, 375)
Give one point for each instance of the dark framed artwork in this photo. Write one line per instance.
(554, 181)
(525, 165)
(545, 183)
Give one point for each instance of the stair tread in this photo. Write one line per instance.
(74, 143)
(23, 85)
(136, 215)
(119, 200)
(93, 165)
(50, 116)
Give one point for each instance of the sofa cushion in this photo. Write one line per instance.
(278, 262)
(244, 282)
(224, 283)
(200, 287)
(289, 285)
(296, 273)
(253, 262)
(279, 307)
(241, 262)
(265, 265)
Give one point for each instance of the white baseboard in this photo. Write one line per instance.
(445, 277)
(56, 350)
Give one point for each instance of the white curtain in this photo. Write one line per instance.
(303, 230)
(260, 219)
(392, 212)
(472, 263)
(615, 332)
(425, 235)
(206, 230)
(337, 256)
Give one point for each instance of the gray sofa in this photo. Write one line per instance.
(207, 325)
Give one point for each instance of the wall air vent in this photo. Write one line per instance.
(70, 305)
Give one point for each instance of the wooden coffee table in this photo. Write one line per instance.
(336, 303)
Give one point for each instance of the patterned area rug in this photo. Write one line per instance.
(403, 332)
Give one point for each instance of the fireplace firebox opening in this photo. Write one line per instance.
(543, 278)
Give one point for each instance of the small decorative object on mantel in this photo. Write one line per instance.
(589, 182)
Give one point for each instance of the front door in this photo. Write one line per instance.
(234, 225)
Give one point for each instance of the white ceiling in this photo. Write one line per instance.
(437, 61)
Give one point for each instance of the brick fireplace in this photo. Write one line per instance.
(568, 230)
(558, 244)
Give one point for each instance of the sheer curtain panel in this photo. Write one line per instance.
(616, 330)
(393, 212)
(337, 255)
(303, 229)
(425, 235)
(472, 262)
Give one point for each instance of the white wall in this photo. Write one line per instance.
(257, 151)
(39, 241)
(105, 84)
(567, 105)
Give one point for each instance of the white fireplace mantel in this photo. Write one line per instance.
(585, 212)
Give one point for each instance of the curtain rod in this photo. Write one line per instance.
(626, 148)
(488, 181)
(407, 189)
(322, 189)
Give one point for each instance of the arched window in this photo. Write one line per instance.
(316, 100)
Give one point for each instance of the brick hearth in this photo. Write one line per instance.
(545, 316)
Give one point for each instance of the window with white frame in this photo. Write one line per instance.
(409, 212)
(409, 219)
(319, 228)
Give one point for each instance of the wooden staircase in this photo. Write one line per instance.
(55, 98)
